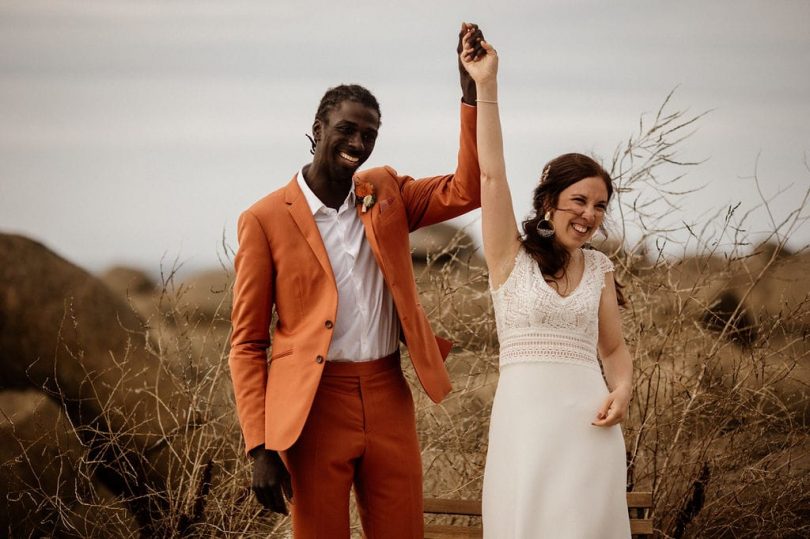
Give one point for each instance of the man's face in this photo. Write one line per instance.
(346, 139)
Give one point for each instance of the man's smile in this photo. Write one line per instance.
(350, 158)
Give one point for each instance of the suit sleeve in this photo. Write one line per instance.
(252, 310)
(432, 200)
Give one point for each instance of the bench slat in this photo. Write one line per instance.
(442, 506)
(454, 532)
(641, 526)
(640, 500)
(452, 507)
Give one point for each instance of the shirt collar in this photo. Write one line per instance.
(312, 199)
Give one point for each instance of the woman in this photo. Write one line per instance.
(556, 460)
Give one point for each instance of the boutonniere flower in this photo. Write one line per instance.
(364, 194)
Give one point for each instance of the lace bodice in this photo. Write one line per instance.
(535, 323)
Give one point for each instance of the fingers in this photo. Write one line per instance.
(467, 54)
(286, 487)
(471, 31)
(476, 37)
(278, 503)
(465, 28)
(263, 496)
(611, 412)
(602, 412)
(612, 418)
(472, 52)
(272, 497)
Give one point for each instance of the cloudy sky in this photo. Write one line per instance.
(132, 131)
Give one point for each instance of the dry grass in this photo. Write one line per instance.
(717, 428)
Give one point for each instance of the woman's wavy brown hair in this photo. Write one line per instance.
(559, 174)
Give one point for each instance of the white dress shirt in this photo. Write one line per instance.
(366, 325)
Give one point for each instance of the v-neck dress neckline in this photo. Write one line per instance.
(578, 287)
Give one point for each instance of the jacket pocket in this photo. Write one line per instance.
(281, 354)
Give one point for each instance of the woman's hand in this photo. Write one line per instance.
(481, 67)
(613, 409)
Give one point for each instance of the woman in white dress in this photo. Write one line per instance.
(556, 461)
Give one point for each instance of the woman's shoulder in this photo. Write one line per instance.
(599, 260)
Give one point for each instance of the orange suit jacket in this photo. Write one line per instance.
(282, 263)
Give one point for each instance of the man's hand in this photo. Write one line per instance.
(271, 480)
(468, 94)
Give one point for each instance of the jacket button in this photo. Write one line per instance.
(319, 359)
(329, 324)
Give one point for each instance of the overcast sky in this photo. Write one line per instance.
(130, 131)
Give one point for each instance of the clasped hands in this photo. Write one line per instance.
(471, 37)
(476, 57)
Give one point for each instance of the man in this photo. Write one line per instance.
(330, 252)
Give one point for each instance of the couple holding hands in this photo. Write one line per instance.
(329, 252)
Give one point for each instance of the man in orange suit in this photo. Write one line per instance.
(330, 253)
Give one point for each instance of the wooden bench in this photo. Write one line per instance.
(638, 503)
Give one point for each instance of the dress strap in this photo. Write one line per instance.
(603, 263)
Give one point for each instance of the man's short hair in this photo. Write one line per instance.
(346, 92)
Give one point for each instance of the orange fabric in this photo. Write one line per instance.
(282, 264)
(361, 431)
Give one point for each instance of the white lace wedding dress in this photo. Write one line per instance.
(549, 472)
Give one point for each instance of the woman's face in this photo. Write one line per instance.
(580, 211)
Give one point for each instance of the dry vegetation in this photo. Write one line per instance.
(717, 428)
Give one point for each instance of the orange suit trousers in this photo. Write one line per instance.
(361, 431)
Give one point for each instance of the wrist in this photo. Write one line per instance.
(486, 91)
(623, 388)
(257, 452)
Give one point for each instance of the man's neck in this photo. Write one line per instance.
(331, 191)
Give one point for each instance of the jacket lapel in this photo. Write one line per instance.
(302, 215)
(367, 219)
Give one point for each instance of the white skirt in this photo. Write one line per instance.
(549, 472)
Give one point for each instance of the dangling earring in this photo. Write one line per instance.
(545, 228)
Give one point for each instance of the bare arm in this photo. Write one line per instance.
(615, 358)
(499, 228)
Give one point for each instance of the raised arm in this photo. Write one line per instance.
(499, 228)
